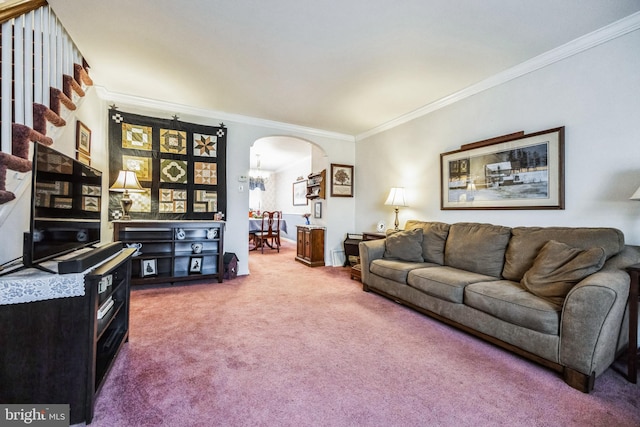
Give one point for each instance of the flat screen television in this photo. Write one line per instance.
(65, 206)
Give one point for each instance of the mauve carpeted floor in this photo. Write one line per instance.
(291, 345)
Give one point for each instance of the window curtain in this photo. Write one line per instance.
(256, 183)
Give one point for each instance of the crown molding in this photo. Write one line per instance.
(612, 31)
(153, 104)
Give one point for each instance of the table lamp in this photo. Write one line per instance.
(396, 198)
(126, 181)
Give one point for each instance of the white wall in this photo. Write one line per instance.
(594, 94)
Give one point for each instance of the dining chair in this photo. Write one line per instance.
(269, 234)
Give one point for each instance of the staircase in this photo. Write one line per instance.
(44, 79)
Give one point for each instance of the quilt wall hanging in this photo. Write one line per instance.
(181, 166)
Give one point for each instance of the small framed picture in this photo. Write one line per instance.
(149, 267)
(300, 193)
(195, 264)
(83, 138)
(317, 209)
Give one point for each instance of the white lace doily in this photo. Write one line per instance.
(34, 285)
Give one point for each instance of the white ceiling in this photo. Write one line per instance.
(344, 66)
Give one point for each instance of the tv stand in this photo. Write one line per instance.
(62, 341)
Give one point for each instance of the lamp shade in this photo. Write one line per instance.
(636, 195)
(396, 197)
(127, 181)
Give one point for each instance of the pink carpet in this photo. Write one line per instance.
(291, 345)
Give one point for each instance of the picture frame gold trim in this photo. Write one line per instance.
(83, 138)
(515, 172)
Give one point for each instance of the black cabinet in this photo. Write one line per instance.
(60, 350)
(173, 251)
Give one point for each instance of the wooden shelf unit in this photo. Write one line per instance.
(173, 253)
(57, 350)
(316, 185)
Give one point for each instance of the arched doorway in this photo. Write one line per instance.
(276, 163)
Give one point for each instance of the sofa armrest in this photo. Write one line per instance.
(591, 320)
(369, 251)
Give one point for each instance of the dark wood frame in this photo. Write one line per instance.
(346, 190)
(496, 147)
(300, 188)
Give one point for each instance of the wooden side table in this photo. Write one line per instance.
(632, 351)
(356, 270)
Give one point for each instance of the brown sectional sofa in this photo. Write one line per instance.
(557, 295)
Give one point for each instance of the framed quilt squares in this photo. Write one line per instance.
(181, 165)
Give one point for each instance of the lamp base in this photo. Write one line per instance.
(396, 223)
(126, 203)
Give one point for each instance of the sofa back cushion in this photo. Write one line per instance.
(434, 237)
(476, 247)
(404, 245)
(526, 242)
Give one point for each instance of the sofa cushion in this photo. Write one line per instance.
(511, 302)
(477, 247)
(404, 245)
(434, 237)
(526, 242)
(444, 282)
(395, 270)
(558, 267)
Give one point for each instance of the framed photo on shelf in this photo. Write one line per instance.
(516, 172)
(148, 267)
(83, 138)
(317, 209)
(195, 264)
(341, 180)
(300, 193)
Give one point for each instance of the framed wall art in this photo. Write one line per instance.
(341, 180)
(300, 193)
(83, 138)
(317, 209)
(518, 172)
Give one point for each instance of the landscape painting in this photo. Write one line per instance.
(524, 173)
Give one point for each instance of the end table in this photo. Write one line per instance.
(632, 351)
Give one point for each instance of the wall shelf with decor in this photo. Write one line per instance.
(173, 251)
(316, 185)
